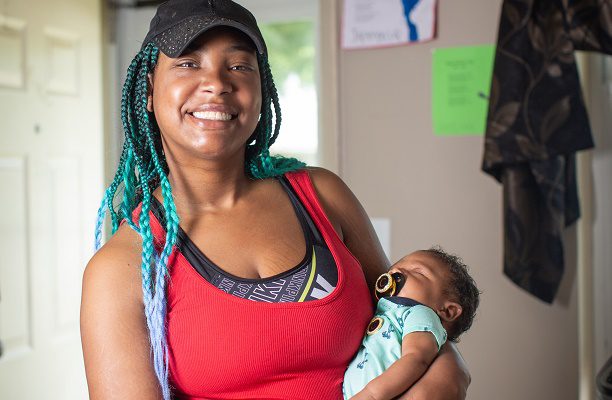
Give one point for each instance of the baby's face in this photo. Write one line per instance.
(426, 278)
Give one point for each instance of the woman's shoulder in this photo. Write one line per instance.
(325, 178)
(116, 265)
(337, 198)
(329, 186)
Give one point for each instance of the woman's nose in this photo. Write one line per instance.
(216, 81)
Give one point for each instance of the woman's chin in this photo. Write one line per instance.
(213, 151)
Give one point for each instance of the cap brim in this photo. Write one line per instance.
(175, 40)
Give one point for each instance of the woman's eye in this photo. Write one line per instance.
(241, 68)
(187, 64)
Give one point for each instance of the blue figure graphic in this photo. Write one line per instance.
(409, 5)
(401, 320)
(387, 333)
(365, 360)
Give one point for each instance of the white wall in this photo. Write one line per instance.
(433, 191)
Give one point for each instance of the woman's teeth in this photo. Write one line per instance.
(212, 115)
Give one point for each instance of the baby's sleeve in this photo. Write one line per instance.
(421, 318)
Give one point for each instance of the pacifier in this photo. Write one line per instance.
(389, 284)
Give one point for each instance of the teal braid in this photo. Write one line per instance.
(139, 169)
(129, 192)
(99, 224)
(155, 310)
(132, 139)
(112, 189)
(121, 170)
(158, 335)
(273, 94)
(259, 163)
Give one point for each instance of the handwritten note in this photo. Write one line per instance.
(460, 89)
(383, 23)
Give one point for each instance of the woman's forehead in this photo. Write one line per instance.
(232, 39)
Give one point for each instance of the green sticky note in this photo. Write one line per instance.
(460, 93)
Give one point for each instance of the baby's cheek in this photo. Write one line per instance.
(408, 291)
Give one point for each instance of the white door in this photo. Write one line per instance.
(51, 139)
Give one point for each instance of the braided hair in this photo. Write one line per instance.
(142, 168)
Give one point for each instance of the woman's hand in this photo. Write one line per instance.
(364, 395)
(446, 379)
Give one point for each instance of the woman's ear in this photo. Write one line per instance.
(150, 92)
(450, 311)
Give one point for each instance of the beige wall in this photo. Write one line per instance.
(433, 191)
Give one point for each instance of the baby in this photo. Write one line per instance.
(426, 298)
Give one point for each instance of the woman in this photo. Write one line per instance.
(260, 292)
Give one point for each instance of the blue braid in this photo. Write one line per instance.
(99, 224)
(139, 166)
(155, 305)
(158, 334)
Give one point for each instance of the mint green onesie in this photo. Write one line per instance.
(381, 348)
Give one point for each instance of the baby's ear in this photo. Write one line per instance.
(450, 311)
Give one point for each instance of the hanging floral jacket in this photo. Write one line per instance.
(536, 122)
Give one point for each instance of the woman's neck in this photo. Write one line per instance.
(207, 186)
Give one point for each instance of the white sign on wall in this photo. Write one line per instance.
(382, 226)
(382, 23)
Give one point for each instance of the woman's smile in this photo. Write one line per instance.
(213, 116)
(211, 121)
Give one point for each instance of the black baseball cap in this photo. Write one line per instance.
(178, 22)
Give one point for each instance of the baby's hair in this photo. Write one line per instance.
(142, 168)
(461, 288)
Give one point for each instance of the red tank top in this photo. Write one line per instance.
(225, 347)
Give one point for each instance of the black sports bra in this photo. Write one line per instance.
(315, 277)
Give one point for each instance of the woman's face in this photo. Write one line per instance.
(207, 101)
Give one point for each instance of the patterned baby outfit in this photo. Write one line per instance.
(382, 345)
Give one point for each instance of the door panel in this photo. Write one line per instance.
(51, 180)
(15, 304)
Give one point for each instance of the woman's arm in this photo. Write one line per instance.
(418, 351)
(351, 222)
(447, 378)
(113, 327)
